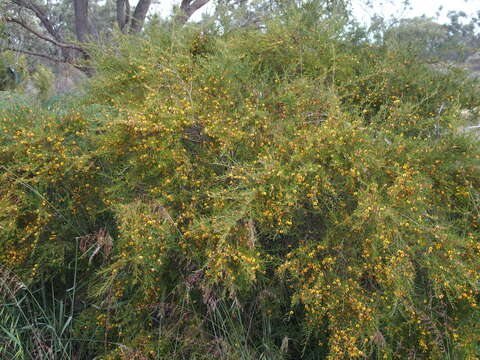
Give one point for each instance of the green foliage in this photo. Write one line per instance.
(33, 326)
(42, 80)
(290, 192)
(8, 78)
(453, 41)
(13, 71)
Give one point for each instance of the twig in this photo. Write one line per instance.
(472, 127)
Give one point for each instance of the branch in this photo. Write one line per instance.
(51, 58)
(472, 127)
(43, 37)
(41, 15)
(48, 57)
(188, 8)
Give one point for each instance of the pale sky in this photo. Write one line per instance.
(418, 8)
(382, 7)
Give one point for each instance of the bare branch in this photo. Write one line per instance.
(41, 14)
(48, 57)
(188, 8)
(43, 37)
(84, 69)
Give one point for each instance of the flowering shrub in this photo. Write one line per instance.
(291, 192)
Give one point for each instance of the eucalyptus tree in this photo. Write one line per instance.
(61, 30)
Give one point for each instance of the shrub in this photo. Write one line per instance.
(42, 80)
(283, 193)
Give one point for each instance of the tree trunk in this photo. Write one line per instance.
(81, 19)
(123, 14)
(80, 8)
(139, 15)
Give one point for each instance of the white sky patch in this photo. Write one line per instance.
(385, 8)
(164, 9)
(428, 8)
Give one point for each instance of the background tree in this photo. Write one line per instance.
(66, 28)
